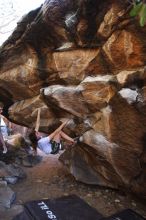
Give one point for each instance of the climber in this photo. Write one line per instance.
(51, 143)
(3, 129)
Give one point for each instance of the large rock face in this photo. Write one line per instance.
(83, 60)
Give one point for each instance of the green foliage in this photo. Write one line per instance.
(143, 15)
(139, 9)
(136, 9)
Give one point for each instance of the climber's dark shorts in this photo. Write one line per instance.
(55, 147)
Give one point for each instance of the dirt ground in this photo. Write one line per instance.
(49, 179)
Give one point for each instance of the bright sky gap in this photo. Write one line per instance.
(11, 12)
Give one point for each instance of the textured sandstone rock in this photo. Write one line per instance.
(83, 60)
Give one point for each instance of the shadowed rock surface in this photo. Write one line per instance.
(83, 60)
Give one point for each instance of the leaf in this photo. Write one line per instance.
(143, 15)
(136, 9)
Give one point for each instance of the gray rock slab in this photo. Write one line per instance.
(9, 214)
(7, 196)
(2, 164)
(3, 183)
(15, 170)
(11, 179)
(3, 171)
(11, 173)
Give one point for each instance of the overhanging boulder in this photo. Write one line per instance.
(83, 60)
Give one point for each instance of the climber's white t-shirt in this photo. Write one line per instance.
(45, 145)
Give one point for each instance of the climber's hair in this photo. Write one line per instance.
(33, 138)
